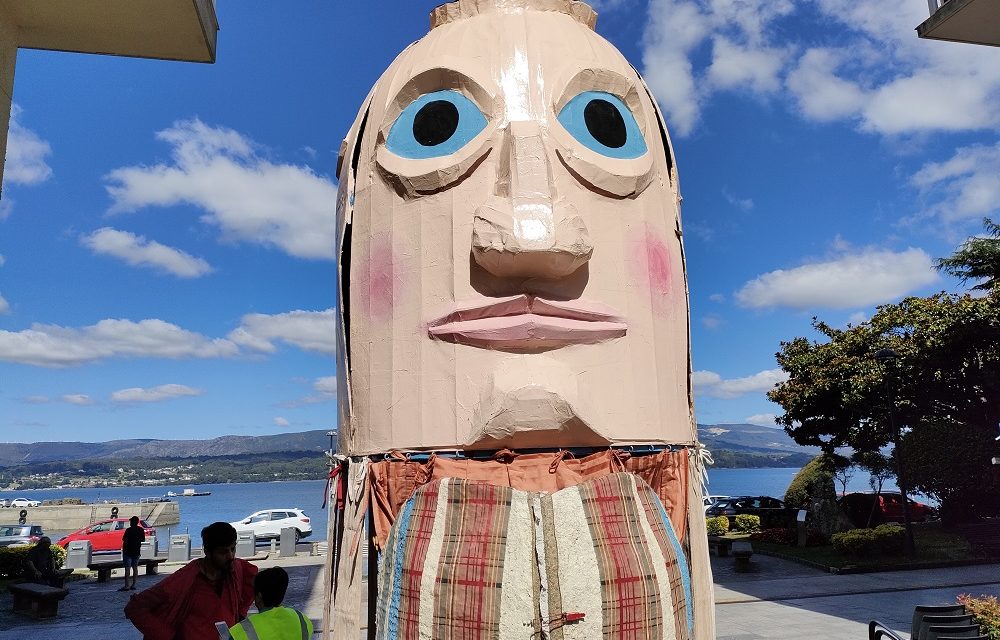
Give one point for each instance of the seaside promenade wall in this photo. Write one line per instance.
(69, 517)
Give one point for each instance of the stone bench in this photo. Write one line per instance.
(104, 567)
(720, 545)
(38, 600)
(742, 550)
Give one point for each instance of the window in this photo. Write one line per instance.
(259, 517)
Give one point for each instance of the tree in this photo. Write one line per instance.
(948, 373)
(977, 259)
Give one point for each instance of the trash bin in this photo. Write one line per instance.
(287, 548)
(147, 550)
(78, 554)
(180, 548)
(246, 544)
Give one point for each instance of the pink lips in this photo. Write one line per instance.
(530, 323)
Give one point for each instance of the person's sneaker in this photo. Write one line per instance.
(132, 588)
(124, 589)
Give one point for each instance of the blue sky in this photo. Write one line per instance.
(166, 229)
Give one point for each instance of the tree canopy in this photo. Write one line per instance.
(977, 259)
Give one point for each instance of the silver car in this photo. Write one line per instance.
(17, 534)
(270, 522)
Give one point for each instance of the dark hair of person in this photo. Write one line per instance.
(271, 584)
(218, 534)
(134, 521)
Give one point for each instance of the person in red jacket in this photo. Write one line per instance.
(186, 604)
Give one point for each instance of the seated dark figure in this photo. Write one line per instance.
(40, 566)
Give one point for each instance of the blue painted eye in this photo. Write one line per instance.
(435, 124)
(604, 124)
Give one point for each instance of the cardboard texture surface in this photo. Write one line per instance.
(512, 271)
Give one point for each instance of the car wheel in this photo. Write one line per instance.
(298, 536)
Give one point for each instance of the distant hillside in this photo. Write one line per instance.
(750, 438)
(17, 454)
(750, 445)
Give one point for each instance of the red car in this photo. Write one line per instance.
(105, 535)
(863, 508)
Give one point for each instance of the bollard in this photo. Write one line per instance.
(246, 544)
(148, 550)
(801, 522)
(287, 542)
(78, 554)
(180, 549)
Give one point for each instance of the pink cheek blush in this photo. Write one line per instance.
(653, 268)
(378, 280)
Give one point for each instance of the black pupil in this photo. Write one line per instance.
(435, 122)
(605, 123)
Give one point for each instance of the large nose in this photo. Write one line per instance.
(524, 230)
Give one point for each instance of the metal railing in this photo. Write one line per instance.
(934, 5)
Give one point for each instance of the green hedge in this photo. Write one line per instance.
(717, 526)
(887, 539)
(747, 523)
(12, 559)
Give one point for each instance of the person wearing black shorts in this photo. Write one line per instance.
(132, 541)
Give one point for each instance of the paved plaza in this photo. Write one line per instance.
(778, 599)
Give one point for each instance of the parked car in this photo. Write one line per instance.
(24, 502)
(771, 511)
(710, 500)
(886, 506)
(17, 534)
(270, 522)
(105, 535)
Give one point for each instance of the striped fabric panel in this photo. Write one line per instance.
(471, 566)
(470, 561)
(676, 565)
(629, 590)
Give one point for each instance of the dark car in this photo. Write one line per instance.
(864, 509)
(771, 511)
(15, 534)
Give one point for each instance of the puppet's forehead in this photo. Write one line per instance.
(454, 11)
(533, 56)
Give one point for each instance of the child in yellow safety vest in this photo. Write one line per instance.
(273, 621)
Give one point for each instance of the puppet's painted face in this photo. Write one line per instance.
(515, 267)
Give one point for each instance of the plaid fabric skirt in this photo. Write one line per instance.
(470, 560)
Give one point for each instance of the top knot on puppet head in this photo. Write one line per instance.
(454, 11)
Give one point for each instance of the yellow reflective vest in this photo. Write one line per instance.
(277, 623)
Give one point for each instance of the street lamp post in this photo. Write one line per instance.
(331, 434)
(887, 356)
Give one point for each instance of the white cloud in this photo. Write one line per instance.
(965, 186)
(857, 318)
(3, 260)
(154, 394)
(281, 422)
(56, 346)
(847, 282)
(712, 321)
(746, 204)
(6, 206)
(709, 383)
(4, 306)
(37, 399)
(717, 297)
(247, 196)
(833, 59)
(762, 419)
(81, 399)
(26, 153)
(327, 385)
(140, 252)
(308, 330)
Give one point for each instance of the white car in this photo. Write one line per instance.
(24, 502)
(710, 500)
(270, 522)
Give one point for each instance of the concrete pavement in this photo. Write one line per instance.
(777, 600)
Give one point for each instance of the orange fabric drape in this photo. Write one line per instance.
(393, 481)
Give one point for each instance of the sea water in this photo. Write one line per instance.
(233, 502)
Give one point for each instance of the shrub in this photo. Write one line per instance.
(814, 538)
(717, 526)
(12, 559)
(776, 536)
(747, 523)
(884, 539)
(986, 613)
